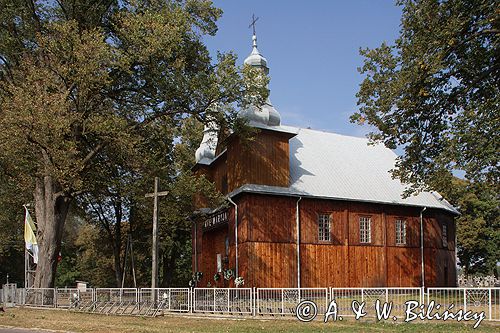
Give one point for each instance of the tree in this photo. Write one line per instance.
(12, 231)
(478, 226)
(435, 92)
(83, 79)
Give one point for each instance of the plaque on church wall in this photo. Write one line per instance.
(219, 262)
(216, 220)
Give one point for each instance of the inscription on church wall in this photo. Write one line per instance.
(216, 220)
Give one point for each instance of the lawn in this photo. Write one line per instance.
(81, 322)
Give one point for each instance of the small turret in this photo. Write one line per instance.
(266, 114)
(206, 152)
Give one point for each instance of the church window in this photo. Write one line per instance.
(444, 235)
(365, 232)
(324, 226)
(400, 232)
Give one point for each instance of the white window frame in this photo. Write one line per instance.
(400, 227)
(365, 229)
(324, 227)
(444, 235)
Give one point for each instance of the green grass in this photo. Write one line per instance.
(81, 322)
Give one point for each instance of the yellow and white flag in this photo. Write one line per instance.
(29, 236)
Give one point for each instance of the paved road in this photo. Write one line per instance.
(22, 330)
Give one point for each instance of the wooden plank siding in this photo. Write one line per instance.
(263, 161)
(268, 253)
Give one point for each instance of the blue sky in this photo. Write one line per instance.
(312, 49)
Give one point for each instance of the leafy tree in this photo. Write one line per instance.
(82, 82)
(435, 92)
(478, 226)
(11, 231)
(67, 269)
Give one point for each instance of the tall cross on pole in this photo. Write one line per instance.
(155, 195)
(254, 19)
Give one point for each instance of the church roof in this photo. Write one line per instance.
(333, 166)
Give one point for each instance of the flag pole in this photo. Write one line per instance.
(25, 268)
(26, 259)
(28, 273)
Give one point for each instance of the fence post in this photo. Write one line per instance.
(214, 299)
(169, 299)
(489, 302)
(465, 300)
(326, 300)
(193, 300)
(253, 300)
(282, 301)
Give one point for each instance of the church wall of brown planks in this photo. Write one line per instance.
(269, 235)
(264, 160)
(267, 244)
(268, 253)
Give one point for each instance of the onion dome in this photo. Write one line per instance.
(266, 114)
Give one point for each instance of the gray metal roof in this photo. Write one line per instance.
(333, 166)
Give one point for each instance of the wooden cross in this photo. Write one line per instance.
(155, 195)
(254, 19)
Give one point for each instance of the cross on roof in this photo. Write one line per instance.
(254, 19)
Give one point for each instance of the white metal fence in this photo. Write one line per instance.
(223, 300)
(10, 294)
(40, 297)
(468, 299)
(73, 298)
(248, 301)
(283, 301)
(397, 297)
(167, 299)
(116, 295)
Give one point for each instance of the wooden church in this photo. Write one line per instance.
(315, 209)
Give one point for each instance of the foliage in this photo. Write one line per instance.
(11, 231)
(86, 89)
(478, 226)
(435, 92)
(239, 282)
(228, 274)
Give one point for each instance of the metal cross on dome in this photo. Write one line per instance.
(254, 19)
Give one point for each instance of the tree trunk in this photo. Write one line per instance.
(51, 209)
(114, 232)
(117, 247)
(169, 267)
